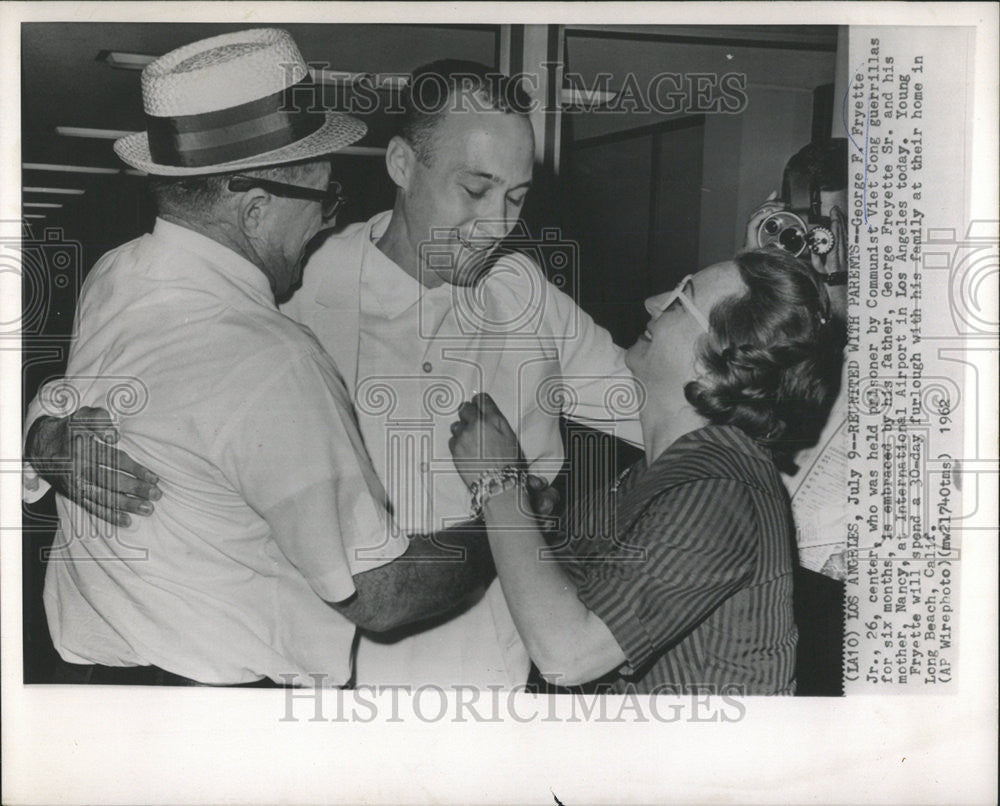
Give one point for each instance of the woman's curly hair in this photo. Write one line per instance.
(772, 358)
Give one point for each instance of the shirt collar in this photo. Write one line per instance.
(384, 280)
(234, 266)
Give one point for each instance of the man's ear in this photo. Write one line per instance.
(252, 209)
(399, 162)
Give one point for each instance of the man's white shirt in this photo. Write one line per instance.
(270, 505)
(411, 355)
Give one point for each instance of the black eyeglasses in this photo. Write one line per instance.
(332, 198)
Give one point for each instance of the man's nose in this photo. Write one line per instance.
(657, 304)
(489, 229)
(492, 222)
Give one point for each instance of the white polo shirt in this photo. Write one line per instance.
(411, 355)
(269, 505)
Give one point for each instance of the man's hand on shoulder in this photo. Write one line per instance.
(75, 455)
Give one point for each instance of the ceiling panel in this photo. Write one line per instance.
(64, 85)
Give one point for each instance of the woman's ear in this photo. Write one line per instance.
(399, 161)
(702, 344)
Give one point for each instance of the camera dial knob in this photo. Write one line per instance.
(820, 240)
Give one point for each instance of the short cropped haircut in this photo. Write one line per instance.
(187, 196)
(773, 355)
(454, 85)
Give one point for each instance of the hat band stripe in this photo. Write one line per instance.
(283, 100)
(192, 141)
(239, 132)
(220, 154)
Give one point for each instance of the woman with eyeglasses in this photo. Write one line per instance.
(690, 589)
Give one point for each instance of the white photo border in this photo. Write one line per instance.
(127, 745)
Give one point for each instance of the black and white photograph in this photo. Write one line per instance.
(491, 388)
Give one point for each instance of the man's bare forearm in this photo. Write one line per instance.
(39, 450)
(435, 575)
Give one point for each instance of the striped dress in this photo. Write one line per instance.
(689, 564)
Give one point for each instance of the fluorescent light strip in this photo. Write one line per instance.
(125, 61)
(33, 215)
(71, 169)
(122, 60)
(97, 134)
(360, 151)
(51, 205)
(59, 191)
(392, 82)
(108, 134)
(587, 98)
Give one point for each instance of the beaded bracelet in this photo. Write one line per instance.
(493, 482)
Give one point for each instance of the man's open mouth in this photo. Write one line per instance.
(478, 244)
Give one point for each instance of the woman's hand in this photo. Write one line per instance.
(482, 439)
(772, 204)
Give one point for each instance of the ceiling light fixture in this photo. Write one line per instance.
(114, 134)
(51, 205)
(59, 191)
(361, 151)
(390, 82)
(124, 61)
(589, 99)
(71, 169)
(97, 134)
(33, 215)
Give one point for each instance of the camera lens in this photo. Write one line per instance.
(791, 240)
(771, 226)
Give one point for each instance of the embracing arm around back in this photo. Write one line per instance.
(432, 577)
(76, 456)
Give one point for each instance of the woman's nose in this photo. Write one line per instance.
(656, 305)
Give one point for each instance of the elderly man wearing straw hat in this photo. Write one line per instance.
(271, 540)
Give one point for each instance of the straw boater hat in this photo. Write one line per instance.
(232, 102)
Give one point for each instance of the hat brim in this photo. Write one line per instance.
(338, 130)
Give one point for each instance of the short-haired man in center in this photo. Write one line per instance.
(402, 302)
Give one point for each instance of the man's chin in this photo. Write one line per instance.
(282, 295)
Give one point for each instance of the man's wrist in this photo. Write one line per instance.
(494, 481)
(35, 439)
